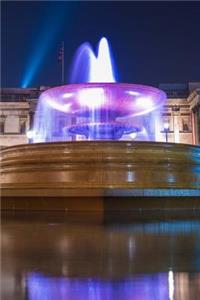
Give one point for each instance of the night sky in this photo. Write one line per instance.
(152, 42)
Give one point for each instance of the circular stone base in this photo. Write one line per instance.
(100, 168)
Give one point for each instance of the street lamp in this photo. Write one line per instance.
(166, 130)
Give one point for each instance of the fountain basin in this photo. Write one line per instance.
(99, 110)
(120, 99)
(100, 169)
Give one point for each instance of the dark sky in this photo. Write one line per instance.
(152, 42)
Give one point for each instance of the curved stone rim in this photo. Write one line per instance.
(128, 143)
(102, 167)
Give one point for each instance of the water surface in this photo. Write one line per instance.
(72, 257)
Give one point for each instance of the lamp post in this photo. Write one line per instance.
(166, 130)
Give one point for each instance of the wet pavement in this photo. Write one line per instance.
(63, 256)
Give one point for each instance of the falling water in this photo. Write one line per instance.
(94, 106)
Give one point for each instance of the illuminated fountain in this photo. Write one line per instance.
(97, 108)
(96, 138)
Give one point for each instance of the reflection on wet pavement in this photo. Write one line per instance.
(59, 257)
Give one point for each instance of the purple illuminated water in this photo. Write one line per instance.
(94, 107)
(143, 287)
(88, 67)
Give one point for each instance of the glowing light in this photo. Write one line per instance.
(166, 125)
(102, 70)
(30, 134)
(67, 95)
(130, 176)
(92, 98)
(144, 102)
(133, 93)
(133, 135)
(171, 285)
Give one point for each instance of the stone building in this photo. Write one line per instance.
(17, 109)
(181, 112)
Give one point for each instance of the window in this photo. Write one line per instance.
(12, 124)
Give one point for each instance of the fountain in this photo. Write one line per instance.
(97, 108)
(97, 139)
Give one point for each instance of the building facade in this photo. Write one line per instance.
(181, 112)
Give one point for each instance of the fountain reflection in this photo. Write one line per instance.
(141, 287)
(65, 259)
(160, 286)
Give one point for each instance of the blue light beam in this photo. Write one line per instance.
(43, 44)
